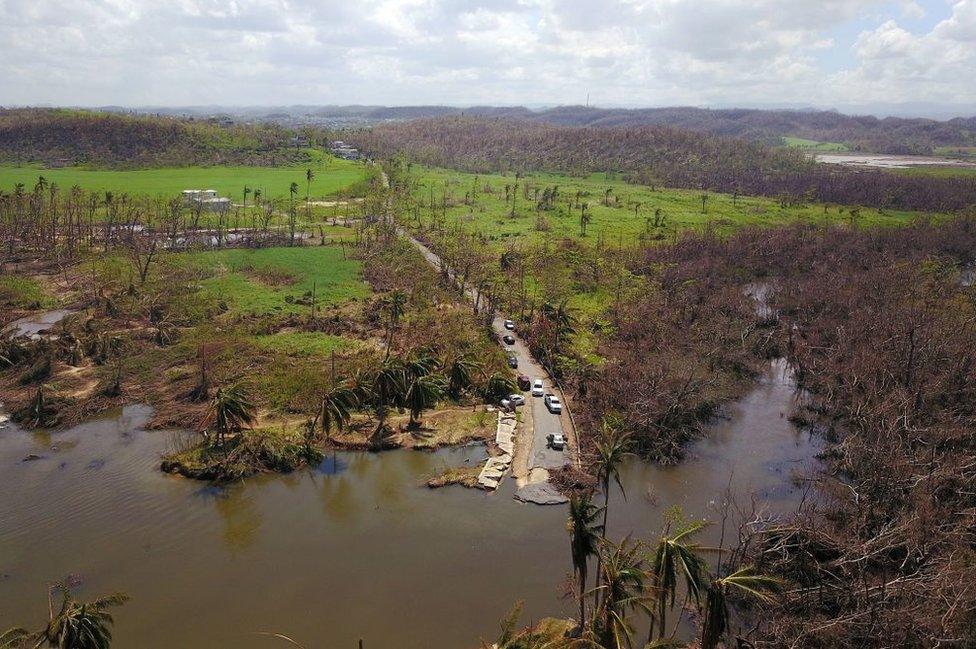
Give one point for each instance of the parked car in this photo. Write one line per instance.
(512, 361)
(513, 401)
(510, 325)
(508, 339)
(552, 402)
(557, 441)
(523, 382)
(537, 388)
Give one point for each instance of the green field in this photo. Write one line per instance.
(331, 175)
(23, 293)
(307, 343)
(941, 172)
(269, 280)
(956, 151)
(630, 215)
(813, 145)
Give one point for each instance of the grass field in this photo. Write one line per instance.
(629, 215)
(23, 293)
(813, 145)
(331, 175)
(956, 151)
(306, 343)
(942, 172)
(269, 280)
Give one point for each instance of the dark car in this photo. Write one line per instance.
(512, 361)
(524, 382)
(508, 339)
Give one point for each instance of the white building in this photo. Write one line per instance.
(207, 198)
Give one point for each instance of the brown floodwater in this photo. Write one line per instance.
(356, 548)
(34, 324)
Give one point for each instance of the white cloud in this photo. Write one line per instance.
(901, 66)
(653, 52)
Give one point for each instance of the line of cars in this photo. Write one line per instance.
(536, 388)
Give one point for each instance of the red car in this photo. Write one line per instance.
(523, 382)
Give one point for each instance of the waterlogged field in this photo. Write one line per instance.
(618, 212)
(331, 176)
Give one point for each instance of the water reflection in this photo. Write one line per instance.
(355, 547)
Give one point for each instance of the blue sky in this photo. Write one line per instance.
(620, 52)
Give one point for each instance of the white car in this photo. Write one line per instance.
(510, 325)
(557, 441)
(552, 402)
(537, 388)
(513, 401)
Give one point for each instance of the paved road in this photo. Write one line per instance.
(545, 423)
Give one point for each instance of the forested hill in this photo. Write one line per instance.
(860, 133)
(67, 137)
(666, 155)
(867, 133)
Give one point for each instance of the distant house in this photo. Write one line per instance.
(342, 150)
(205, 198)
(299, 141)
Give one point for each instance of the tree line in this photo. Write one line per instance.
(69, 137)
(659, 155)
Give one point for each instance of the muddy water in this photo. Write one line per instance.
(891, 161)
(355, 548)
(35, 324)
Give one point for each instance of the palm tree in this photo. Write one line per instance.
(257, 196)
(423, 393)
(230, 411)
(247, 190)
(623, 590)
(309, 177)
(716, 617)
(460, 375)
(676, 556)
(584, 218)
(293, 192)
(387, 390)
(498, 386)
(612, 448)
(584, 532)
(396, 302)
(336, 408)
(560, 318)
(75, 625)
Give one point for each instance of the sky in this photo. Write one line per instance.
(505, 52)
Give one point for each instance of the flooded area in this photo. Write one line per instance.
(356, 548)
(33, 325)
(891, 161)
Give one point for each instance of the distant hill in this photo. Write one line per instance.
(858, 133)
(867, 133)
(666, 155)
(864, 133)
(69, 137)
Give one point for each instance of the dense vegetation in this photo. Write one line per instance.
(278, 332)
(878, 323)
(67, 137)
(856, 132)
(860, 133)
(660, 155)
(880, 327)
